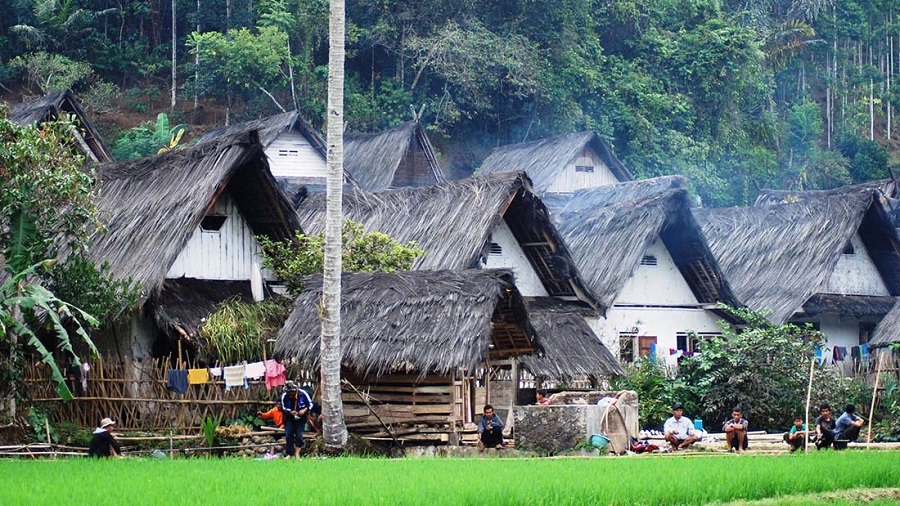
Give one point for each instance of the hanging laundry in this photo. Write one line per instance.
(673, 351)
(652, 356)
(215, 372)
(198, 376)
(854, 353)
(864, 351)
(235, 376)
(840, 353)
(820, 357)
(73, 379)
(177, 381)
(275, 374)
(255, 370)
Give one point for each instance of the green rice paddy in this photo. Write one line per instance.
(638, 480)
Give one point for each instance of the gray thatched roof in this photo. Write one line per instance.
(571, 349)
(848, 305)
(400, 157)
(51, 107)
(184, 303)
(776, 257)
(424, 321)
(269, 128)
(609, 229)
(888, 329)
(453, 221)
(544, 159)
(152, 206)
(766, 196)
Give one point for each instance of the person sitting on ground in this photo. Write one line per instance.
(824, 427)
(848, 424)
(274, 414)
(490, 429)
(294, 407)
(678, 429)
(103, 443)
(542, 399)
(735, 429)
(315, 417)
(797, 435)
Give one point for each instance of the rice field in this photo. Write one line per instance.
(497, 481)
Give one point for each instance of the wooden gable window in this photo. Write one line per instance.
(212, 222)
(288, 152)
(496, 249)
(649, 260)
(587, 169)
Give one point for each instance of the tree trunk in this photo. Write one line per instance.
(197, 66)
(335, 431)
(174, 61)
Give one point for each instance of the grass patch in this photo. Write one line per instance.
(631, 481)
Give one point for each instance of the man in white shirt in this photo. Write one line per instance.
(679, 430)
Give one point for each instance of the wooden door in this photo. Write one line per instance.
(644, 343)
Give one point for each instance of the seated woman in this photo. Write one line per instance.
(103, 443)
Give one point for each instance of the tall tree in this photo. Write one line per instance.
(330, 346)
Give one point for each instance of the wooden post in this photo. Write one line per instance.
(874, 397)
(179, 354)
(812, 369)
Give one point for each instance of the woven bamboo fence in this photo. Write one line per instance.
(135, 395)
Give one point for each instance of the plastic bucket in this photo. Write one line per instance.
(698, 424)
(599, 440)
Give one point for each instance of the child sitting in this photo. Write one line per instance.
(796, 437)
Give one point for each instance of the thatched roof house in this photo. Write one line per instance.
(457, 224)
(296, 151)
(888, 330)
(400, 157)
(560, 164)
(187, 218)
(777, 257)
(571, 350)
(619, 223)
(886, 187)
(414, 322)
(52, 107)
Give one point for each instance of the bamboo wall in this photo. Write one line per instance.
(135, 395)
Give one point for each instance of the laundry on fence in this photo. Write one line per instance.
(255, 370)
(198, 376)
(235, 376)
(275, 374)
(177, 381)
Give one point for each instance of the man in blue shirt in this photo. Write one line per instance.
(848, 424)
(490, 429)
(295, 407)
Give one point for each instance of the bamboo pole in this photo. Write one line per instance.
(874, 398)
(812, 370)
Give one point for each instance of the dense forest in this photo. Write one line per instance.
(735, 94)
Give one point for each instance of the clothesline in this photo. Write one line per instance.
(235, 376)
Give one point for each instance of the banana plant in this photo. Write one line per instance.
(23, 301)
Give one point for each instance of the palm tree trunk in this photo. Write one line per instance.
(335, 431)
(174, 60)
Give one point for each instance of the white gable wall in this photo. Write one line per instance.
(512, 257)
(856, 274)
(291, 155)
(662, 323)
(231, 253)
(570, 179)
(660, 284)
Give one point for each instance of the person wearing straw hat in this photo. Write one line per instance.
(103, 443)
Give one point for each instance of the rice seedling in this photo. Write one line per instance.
(495, 481)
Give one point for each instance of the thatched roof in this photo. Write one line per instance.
(766, 196)
(269, 128)
(400, 157)
(571, 349)
(51, 107)
(152, 206)
(609, 230)
(776, 257)
(888, 329)
(544, 159)
(848, 305)
(183, 304)
(424, 321)
(453, 221)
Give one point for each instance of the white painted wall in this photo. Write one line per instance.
(569, 180)
(661, 284)
(231, 253)
(512, 257)
(856, 274)
(291, 155)
(664, 323)
(839, 330)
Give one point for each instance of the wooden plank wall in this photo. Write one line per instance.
(408, 404)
